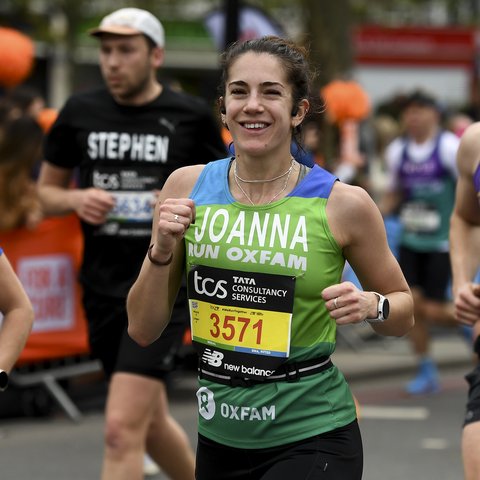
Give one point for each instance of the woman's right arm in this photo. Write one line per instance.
(151, 298)
(358, 227)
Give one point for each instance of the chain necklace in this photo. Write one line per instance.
(288, 173)
(262, 181)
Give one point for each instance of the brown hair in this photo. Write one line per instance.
(20, 143)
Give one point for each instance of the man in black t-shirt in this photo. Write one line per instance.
(125, 140)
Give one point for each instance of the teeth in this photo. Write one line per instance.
(255, 125)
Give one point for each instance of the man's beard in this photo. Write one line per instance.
(132, 92)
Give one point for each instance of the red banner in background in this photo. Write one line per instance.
(47, 261)
(375, 44)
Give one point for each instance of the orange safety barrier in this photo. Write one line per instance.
(47, 261)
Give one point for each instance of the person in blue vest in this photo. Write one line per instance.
(421, 175)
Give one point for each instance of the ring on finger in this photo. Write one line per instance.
(335, 302)
(176, 217)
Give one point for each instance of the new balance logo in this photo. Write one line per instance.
(213, 358)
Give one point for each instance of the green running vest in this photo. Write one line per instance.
(253, 269)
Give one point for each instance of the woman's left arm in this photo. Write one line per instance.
(358, 227)
(17, 313)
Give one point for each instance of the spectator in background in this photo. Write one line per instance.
(421, 188)
(125, 140)
(384, 129)
(465, 259)
(24, 100)
(20, 147)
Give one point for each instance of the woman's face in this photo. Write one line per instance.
(258, 105)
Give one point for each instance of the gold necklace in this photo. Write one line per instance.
(288, 173)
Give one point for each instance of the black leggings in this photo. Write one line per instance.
(335, 455)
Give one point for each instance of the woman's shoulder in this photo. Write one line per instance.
(352, 213)
(182, 180)
(350, 197)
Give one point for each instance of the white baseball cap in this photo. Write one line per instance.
(132, 21)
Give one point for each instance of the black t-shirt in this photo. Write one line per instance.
(128, 151)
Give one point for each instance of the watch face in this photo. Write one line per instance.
(386, 308)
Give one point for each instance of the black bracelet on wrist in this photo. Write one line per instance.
(3, 380)
(156, 262)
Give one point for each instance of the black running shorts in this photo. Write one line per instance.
(335, 455)
(429, 271)
(111, 344)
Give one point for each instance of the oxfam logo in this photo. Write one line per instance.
(206, 403)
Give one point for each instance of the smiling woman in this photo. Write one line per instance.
(269, 395)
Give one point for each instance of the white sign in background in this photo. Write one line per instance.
(49, 281)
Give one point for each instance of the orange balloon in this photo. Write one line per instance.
(345, 100)
(16, 57)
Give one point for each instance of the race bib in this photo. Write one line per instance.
(132, 207)
(132, 187)
(240, 321)
(420, 217)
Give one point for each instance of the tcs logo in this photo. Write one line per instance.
(106, 181)
(208, 286)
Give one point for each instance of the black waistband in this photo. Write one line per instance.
(288, 372)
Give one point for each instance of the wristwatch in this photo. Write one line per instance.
(383, 309)
(3, 380)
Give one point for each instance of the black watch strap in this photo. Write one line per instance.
(3, 380)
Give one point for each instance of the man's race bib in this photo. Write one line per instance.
(240, 321)
(132, 189)
(132, 207)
